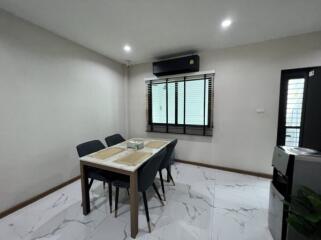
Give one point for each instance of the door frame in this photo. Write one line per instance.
(285, 76)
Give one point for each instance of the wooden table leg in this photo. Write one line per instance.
(133, 205)
(84, 190)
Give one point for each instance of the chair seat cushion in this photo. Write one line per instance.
(105, 176)
(164, 165)
(123, 182)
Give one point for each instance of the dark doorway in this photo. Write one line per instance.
(300, 108)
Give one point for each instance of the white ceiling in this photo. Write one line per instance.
(156, 28)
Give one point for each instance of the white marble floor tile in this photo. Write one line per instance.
(204, 204)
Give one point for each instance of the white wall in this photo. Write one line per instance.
(54, 95)
(246, 78)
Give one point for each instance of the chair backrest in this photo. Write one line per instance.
(89, 147)
(170, 148)
(147, 172)
(114, 139)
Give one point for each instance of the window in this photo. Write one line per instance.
(293, 116)
(292, 107)
(181, 105)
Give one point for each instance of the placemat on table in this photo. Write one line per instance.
(106, 153)
(134, 158)
(155, 144)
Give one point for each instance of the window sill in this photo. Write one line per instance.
(181, 129)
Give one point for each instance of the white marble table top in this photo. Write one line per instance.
(110, 161)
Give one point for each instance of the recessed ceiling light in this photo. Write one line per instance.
(127, 48)
(226, 23)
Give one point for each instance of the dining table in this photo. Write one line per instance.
(122, 160)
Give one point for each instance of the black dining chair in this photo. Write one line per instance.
(165, 164)
(146, 177)
(96, 174)
(114, 139)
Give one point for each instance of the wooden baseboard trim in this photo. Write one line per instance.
(256, 174)
(37, 197)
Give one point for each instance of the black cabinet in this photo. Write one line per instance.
(292, 168)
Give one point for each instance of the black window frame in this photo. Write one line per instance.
(287, 75)
(178, 128)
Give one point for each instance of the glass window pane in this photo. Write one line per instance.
(159, 103)
(294, 111)
(171, 103)
(195, 103)
(292, 137)
(206, 102)
(294, 102)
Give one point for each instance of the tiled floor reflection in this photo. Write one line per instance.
(204, 204)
